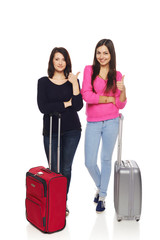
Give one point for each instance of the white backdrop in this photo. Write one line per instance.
(29, 31)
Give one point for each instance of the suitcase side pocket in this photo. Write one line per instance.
(35, 212)
(36, 201)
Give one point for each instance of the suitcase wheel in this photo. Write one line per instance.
(120, 219)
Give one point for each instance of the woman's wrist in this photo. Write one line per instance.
(123, 95)
(75, 86)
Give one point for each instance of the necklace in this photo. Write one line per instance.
(102, 77)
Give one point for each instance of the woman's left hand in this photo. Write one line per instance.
(120, 84)
(73, 78)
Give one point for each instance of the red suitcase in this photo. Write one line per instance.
(46, 194)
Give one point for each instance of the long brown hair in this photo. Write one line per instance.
(111, 83)
(65, 53)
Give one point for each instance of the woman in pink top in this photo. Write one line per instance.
(104, 91)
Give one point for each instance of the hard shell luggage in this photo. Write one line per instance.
(46, 193)
(127, 185)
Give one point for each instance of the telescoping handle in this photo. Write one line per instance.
(50, 141)
(119, 154)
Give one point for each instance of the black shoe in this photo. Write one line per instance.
(100, 207)
(67, 211)
(96, 199)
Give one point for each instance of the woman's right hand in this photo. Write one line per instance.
(111, 100)
(68, 104)
(105, 99)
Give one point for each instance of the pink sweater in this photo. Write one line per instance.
(104, 111)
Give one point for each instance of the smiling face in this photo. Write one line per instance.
(103, 55)
(59, 62)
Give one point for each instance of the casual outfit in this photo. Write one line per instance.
(51, 98)
(102, 124)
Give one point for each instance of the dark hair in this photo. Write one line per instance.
(111, 83)
(65, 53)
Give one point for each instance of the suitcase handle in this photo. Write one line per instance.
(50, 141)
(119, 153)
(47, 170)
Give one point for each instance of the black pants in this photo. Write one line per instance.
(69, 142)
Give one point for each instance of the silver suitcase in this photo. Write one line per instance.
(127, 185)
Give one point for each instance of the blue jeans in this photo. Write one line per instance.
(106, 131)
(69, 142)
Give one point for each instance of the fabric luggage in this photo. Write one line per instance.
(127, 185)
(46, 193)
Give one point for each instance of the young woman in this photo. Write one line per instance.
(60, 92)
(104, 92)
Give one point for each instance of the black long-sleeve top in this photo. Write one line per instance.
(51, 98)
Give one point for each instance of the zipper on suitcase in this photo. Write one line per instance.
(39, 179)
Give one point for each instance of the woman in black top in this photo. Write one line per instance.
(60, 92)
